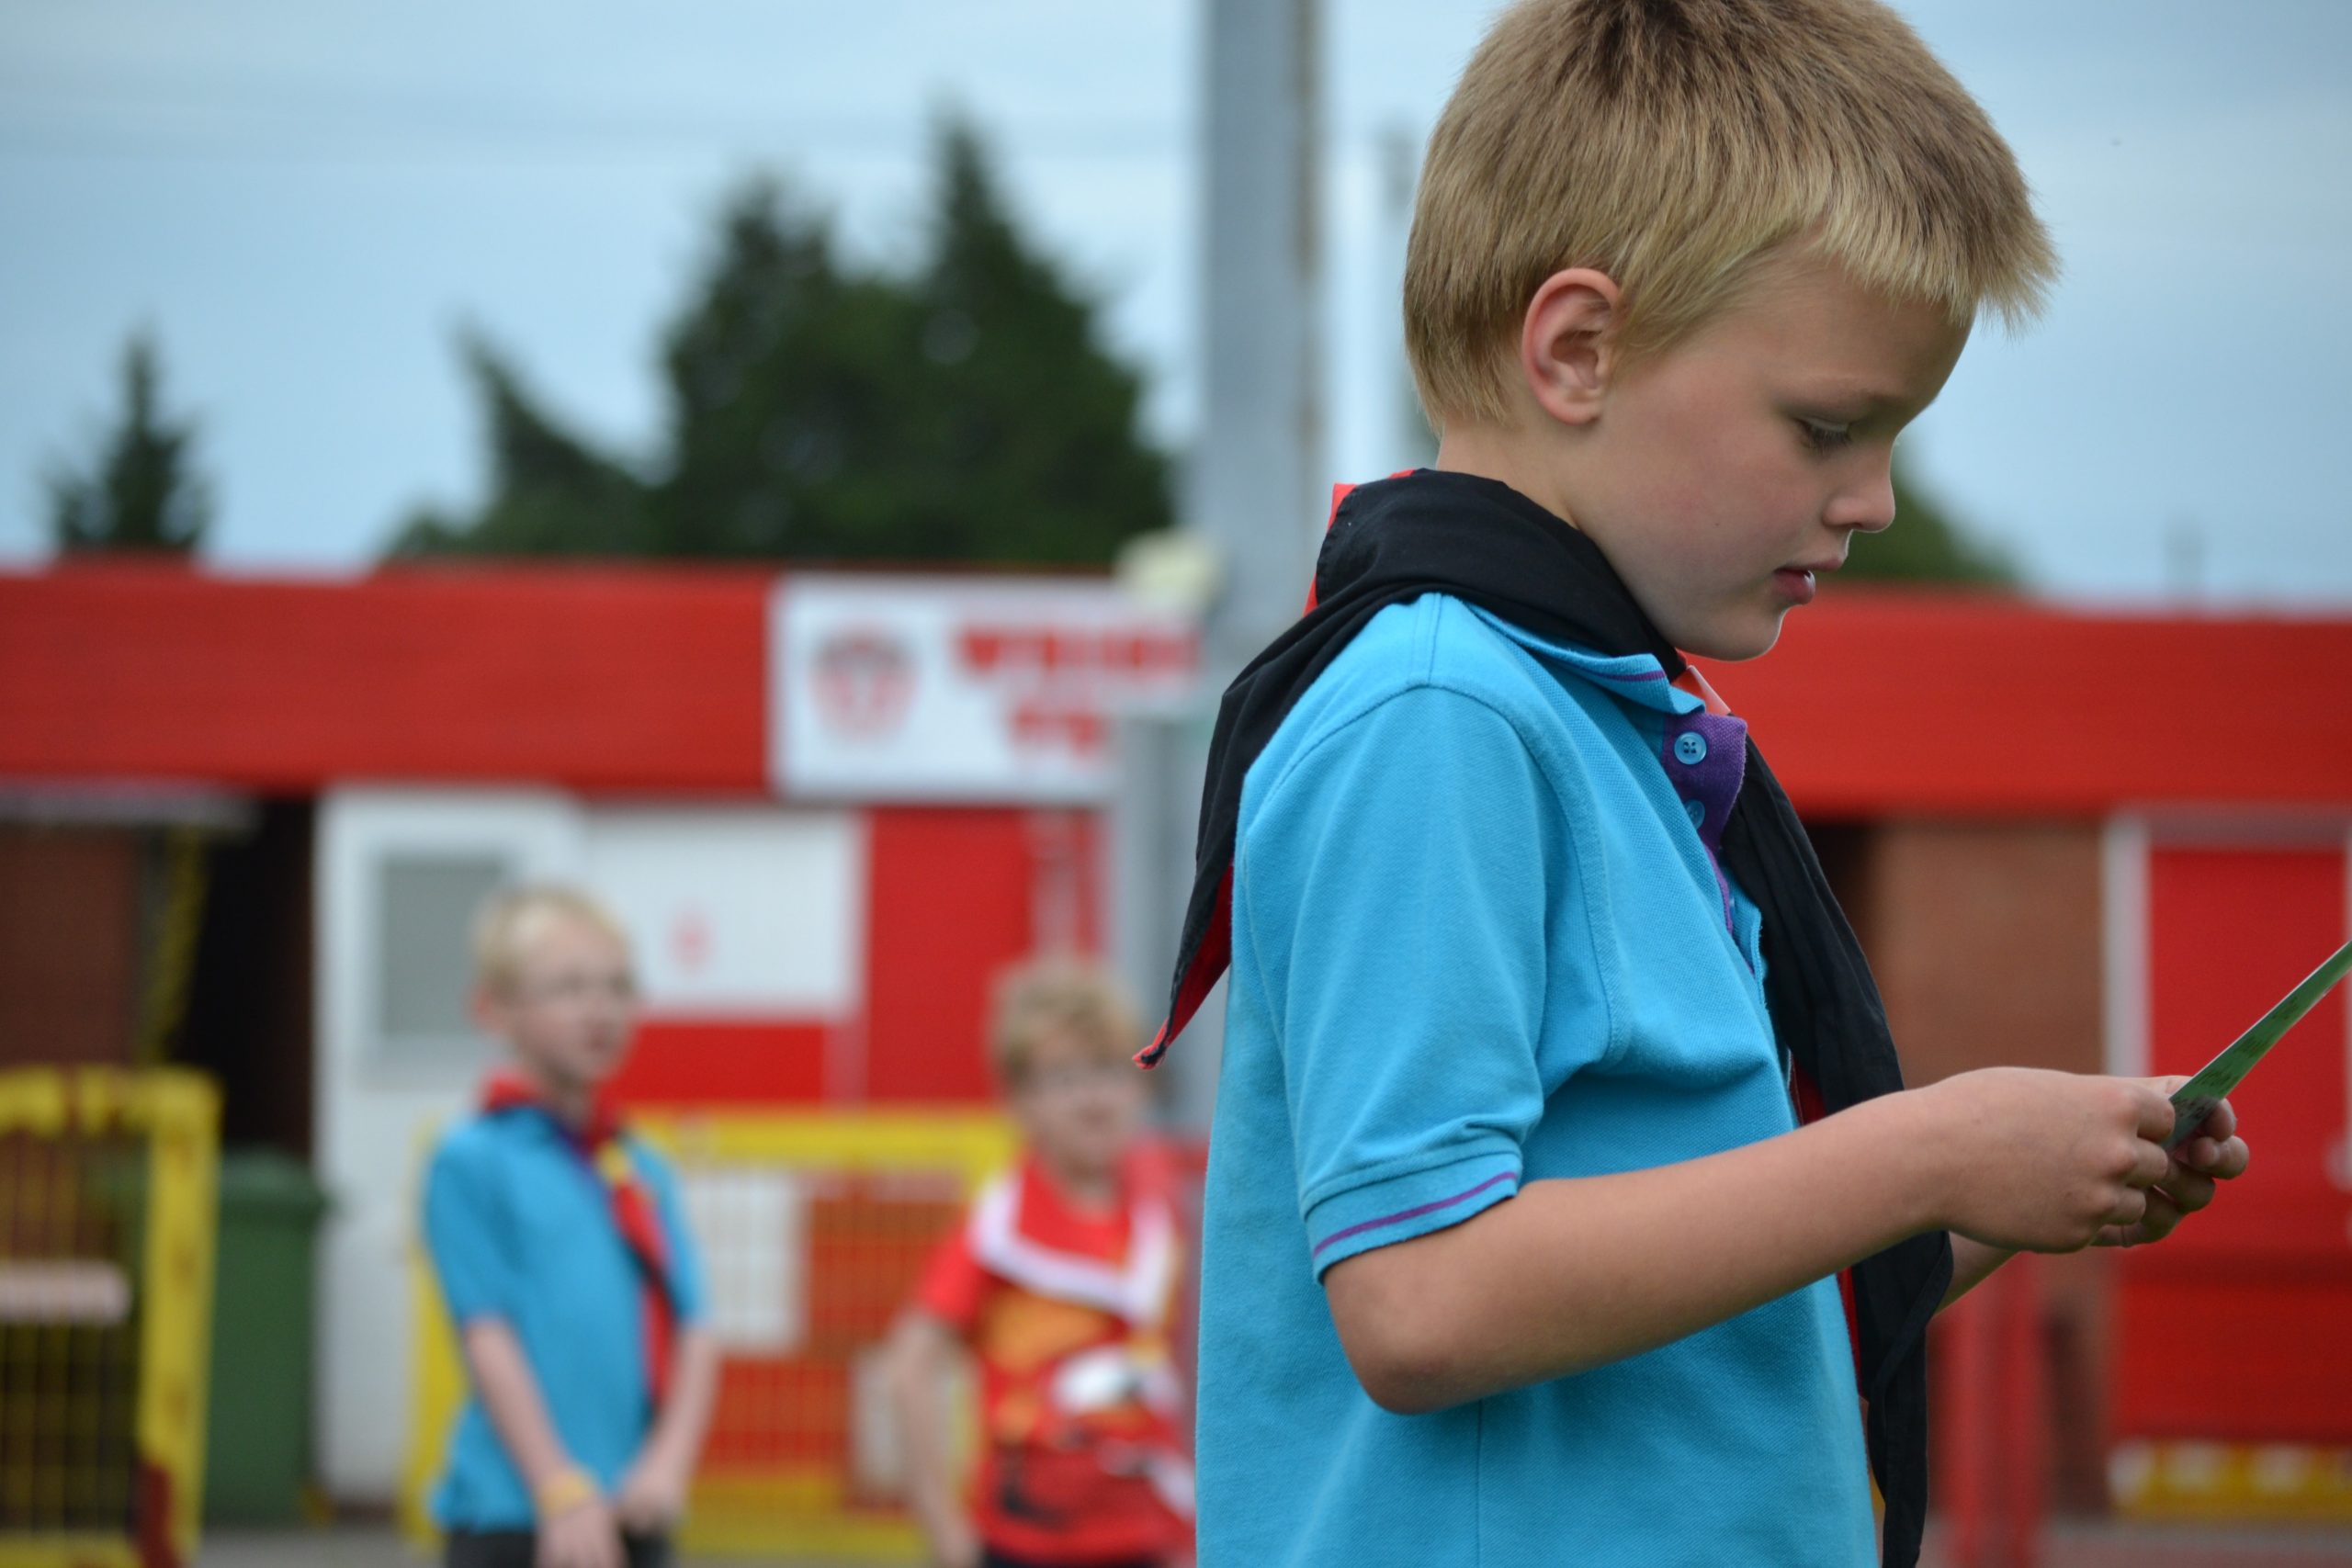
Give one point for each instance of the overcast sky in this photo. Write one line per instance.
(307, 200)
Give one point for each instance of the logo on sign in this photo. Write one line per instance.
(865, 678)
(689, 940)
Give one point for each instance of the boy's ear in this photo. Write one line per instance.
(1568, 342)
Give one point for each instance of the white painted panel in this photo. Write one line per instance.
(737, 911)
(2123, 864)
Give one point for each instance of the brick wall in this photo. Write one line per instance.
(69, 954)
(1985, 939)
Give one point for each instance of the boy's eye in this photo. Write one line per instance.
(1823, 436)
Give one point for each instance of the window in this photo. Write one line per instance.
(425, 907)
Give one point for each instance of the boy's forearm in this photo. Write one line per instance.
(916, 1373)
(1572, 1273)
(1971, 1263)
(684, 1419)
(510, 1394)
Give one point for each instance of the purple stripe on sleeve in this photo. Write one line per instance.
(1403, 1214)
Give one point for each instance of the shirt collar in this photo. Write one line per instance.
(1636, 678)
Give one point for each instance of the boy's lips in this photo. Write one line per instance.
(1797, 582)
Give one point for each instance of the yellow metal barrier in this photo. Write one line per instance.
(106, 1205)
(812, 1229)
(2196, 1482)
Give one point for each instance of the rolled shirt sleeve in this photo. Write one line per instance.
(1394, 879)
(466, 1233)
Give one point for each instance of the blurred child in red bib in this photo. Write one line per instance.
(1060, 1285)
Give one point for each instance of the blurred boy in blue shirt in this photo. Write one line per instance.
(569, 1274)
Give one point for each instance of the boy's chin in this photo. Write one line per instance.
(1089, 1162)
(586, 1072)
(1733, 639)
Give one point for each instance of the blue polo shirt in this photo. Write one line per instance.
(1480, 938)
(521, 1229)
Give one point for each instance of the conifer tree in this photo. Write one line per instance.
(819, 410)
(550, 493)
(140, 490)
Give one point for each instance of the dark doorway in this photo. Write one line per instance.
(249, 1007)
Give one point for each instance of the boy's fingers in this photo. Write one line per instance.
(2224, 1161)
(2149, 1165)
(2187, 1190)
(2156, 1222)
(2155, 1111)
(2221, 1123)
(2129, 1209)
(2163, 1214)
(2230, 1160)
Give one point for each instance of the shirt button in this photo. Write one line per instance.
(1697, 811)
(1690, 748)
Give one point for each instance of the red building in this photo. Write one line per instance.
(830, 807)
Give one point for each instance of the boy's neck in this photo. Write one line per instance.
(569, 1101)
(1083, 1189)
(1502, 456)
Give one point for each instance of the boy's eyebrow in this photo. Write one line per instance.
(1861, 400)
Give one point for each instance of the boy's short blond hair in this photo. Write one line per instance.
(1076, 997)
(1672, 144)
(505, 925)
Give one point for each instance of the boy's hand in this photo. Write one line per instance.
(2037, 1161)
(953, 1545)
(2216, 1154)
(582, 1535)
(653, 1495)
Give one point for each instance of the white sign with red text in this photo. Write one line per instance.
(950, 689)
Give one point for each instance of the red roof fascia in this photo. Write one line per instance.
(1881, 699)
(1876, 700)
(594, 678)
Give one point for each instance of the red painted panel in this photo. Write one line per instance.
(593, 677)
(947, 906)
(2230, 931)
(2268, 1270)
(2247, 1357)
(1883, 698)
(724, 1062)
(953, 897)
(1877, 699)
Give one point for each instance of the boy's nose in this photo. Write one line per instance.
(1867, 506)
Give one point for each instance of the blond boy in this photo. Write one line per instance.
(567, 1267)
(1557, 1109)
(1059, 1286)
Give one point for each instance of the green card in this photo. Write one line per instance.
(2195, 1099)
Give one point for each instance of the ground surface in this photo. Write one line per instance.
(2100, 1544)
(380, 1548)
(2067, 1546)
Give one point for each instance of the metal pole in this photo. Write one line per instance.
(1258, 472)
(1252, 489)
